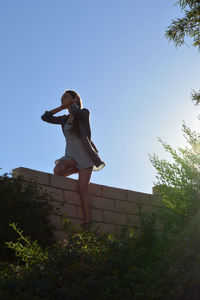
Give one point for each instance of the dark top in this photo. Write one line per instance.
(82, 116)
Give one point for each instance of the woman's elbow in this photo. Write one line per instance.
(43, 118)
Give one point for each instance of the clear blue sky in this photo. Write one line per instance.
(135, 83)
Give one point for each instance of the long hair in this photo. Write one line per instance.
(75, 128)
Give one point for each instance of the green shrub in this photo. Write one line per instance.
(91, 265)
(22, 202)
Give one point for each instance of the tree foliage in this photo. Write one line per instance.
(179, 181)
(188, 25)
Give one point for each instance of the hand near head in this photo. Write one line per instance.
(63, 106)
(75, 100)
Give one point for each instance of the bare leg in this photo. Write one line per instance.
(84, 178)
(71, 170)
(65, 167)
(68, 167)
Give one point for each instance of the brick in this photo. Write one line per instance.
(138, 197)
(72, 197)
(63, 182)
(76, 222)
(95, 189)
(114, 193)
(103, 203)
(107, 228)
(149, 209)
(57, 197)
(69, 210)
(80, 212)
(114, 217)
(40, 177)
(125, 207)
(25, 183)
(55, 220)
(156, 200)
(57, 194)
(133, 219)
(110, 207)
(57, 206)
(97, 214)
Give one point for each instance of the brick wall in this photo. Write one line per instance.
(110, 207)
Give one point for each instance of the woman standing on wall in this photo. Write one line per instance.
(80, 152)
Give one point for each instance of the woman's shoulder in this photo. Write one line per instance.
(86, 110)
(81, 113)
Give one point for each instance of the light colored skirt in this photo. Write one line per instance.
(82, 163)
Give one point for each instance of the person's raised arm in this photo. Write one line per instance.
(48, 116)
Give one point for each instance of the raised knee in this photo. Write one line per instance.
(56, 171)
